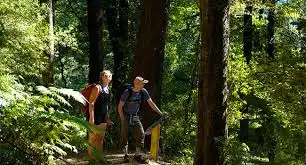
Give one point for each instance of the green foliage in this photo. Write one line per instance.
(24, 32)
(71, 40)
(34, 125)
(39, 124)
(179, 94)
(272, 91)
(233, 147)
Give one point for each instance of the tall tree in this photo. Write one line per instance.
(118, 34)
(247, 51)
(212, 99)
(301, 26)
(247, 34)
(62, 66)
(150, 44)
(48, 72)
(271, 26)
(95, 22)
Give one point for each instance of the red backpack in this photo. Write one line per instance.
(86, 93)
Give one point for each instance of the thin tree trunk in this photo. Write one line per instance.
(303, 47)
(247, 34)
(301, 26)
(244, 127)
(247, 51)
(271, 26)
(48, 72)
(62, 66)
(95, 22)
(212, 117)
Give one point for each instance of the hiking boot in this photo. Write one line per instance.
(140, 159)
(126, 159)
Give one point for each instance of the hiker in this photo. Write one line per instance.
(98, 112)
(128, 109)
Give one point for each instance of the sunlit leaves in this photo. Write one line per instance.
(37, 123)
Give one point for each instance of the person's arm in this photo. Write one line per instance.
(92, 99)
(154, 107)
(108, 120)
(120, 110)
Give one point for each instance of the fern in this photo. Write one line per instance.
(35, 126)
(70, 93)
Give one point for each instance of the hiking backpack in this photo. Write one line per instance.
(129, 88)
(86, 93)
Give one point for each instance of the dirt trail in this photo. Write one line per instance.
(111, 159)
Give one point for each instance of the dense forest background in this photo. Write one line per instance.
(50, 49)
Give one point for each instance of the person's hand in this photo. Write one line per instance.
(91, 121)
(109, 122)
(164, 113)
(122, 120)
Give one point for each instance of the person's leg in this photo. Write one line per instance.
(91, 144)
(95, 138)
(138, 134)
(124, 139)
(124, 136)
(139, 140)
(100, 137)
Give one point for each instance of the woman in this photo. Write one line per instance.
(98, 112)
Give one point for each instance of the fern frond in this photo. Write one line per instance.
(77, 96)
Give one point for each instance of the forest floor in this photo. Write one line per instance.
(111, 159)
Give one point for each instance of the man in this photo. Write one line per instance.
(128, 109)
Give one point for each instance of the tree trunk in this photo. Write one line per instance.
(301, 26)
(150, 44)
(247, 51)
(149, 53)
(48, 73)
(244, 127)
(95, 22)
(271, 26)
(212, 117)
(118, 34)
(247, 34)
(62, 66)
(303, 47)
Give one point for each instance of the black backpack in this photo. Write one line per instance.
(130, 90)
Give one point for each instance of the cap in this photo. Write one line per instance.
(141, 79)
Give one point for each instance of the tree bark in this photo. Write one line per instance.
(48, 73)
(149, 54)
(244, 127)
(150, 44)
(271, 26)
(95, 26)
(247, 34)
(62, 66)
(118, 34)
(212, 100)
(247, 51)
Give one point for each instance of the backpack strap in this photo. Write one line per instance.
(99, 91)
(130, 94)
(130, 90)
(141, 97)
(140, 101)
